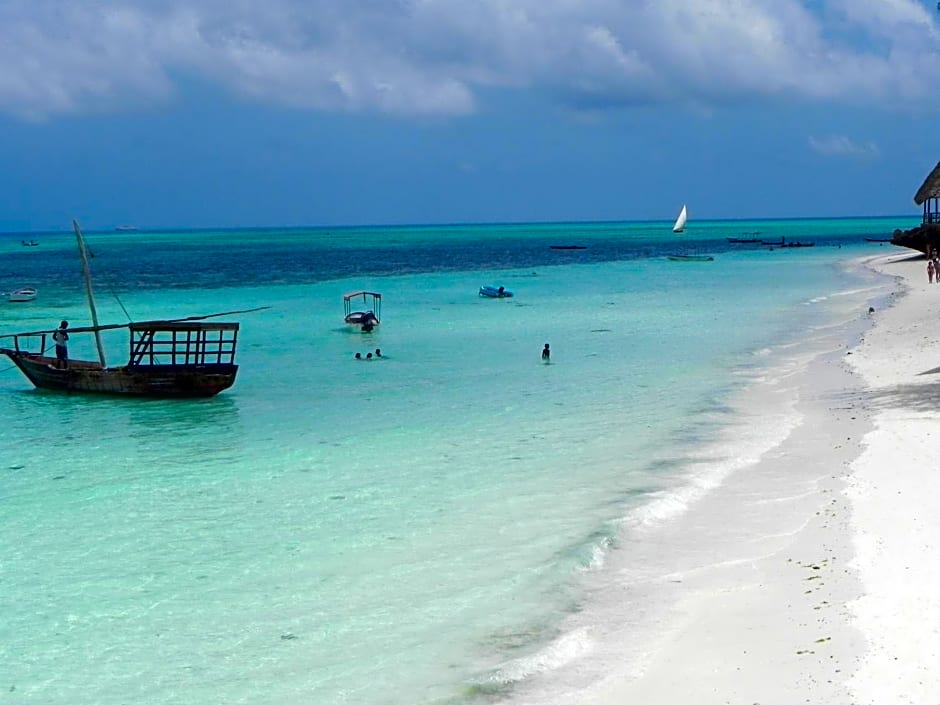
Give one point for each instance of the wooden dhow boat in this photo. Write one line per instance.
(184, 357)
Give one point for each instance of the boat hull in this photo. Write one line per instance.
(132, 380)
(691, 258)
(493, 292)
(366, 321)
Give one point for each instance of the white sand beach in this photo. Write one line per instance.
(893, 489)
(819, 586)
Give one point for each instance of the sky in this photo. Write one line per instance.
(228, 113)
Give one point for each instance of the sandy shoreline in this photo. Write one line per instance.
(894, 489)
(839, 609)
(816, 588)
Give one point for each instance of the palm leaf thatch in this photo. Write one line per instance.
(930, 188)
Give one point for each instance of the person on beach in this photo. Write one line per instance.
(546, 353)
(61, 339)
(936, 269)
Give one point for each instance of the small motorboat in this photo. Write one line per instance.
(366, 319)
(29, 243)
(21, 295)
(495, 292)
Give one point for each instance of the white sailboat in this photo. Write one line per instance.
(678, 228)
(680, 221)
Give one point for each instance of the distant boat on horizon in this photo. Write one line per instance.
(681, 220)
(690, 258)
(125, 228)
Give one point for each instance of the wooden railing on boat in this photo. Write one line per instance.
(183, 343)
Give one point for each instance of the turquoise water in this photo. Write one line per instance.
(413, 529)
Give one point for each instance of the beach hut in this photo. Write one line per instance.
(926, 236)
(928, 196)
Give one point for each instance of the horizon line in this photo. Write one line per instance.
(130, 230)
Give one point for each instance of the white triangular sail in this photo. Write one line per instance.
(680, 221)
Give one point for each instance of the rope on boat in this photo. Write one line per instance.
(108, 280)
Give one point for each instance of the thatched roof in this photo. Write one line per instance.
(930, 188)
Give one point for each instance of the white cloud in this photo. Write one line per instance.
(434, 56)
(842, 146)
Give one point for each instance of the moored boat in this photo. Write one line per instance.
(167, 359)
(495, 292)
(365, 319)
(184, 357)
(22, 295)
(690, 258)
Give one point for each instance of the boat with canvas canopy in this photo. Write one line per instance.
(183, 357)
(368, 317)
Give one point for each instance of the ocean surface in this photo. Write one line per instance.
(435, 527)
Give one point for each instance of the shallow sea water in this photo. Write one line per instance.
(412, 529)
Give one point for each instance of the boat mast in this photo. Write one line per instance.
(86, 273)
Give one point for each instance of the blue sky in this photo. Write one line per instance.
(203, 113)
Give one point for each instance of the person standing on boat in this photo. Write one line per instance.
(61, 339)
